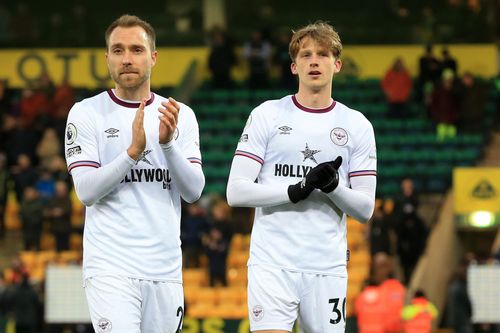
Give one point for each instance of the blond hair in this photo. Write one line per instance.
(320, 32)
(129, 21)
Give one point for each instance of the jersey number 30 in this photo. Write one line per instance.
(338, 313)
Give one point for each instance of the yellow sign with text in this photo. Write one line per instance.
(87, 68)
(476, 189)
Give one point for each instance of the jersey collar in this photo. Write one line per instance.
(128, 104)
(306, 109)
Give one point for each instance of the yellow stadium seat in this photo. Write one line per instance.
(29, 259)
(200, 310)
(233, 295)
(195, 277)
(237, 276)
(236, 243)
(237, 259)
(230, 311)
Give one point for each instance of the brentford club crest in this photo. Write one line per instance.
(339, 136)
(257, 313)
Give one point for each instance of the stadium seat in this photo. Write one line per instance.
(195, 277)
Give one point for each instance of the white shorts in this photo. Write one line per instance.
(127, 305)
(277, 298)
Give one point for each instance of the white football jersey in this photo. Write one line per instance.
(289, 139)
(134, 230)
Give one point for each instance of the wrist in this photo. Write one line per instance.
(134, 153)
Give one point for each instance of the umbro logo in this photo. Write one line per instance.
(285, 129)
(112, 132)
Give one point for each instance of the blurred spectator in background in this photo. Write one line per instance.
(473, 96)
(5, 101)
(25, 306)
(418, 315)
(379, 232)
(393, 293)
(24, 175)
(221, 59)
(33, 104)
(217, 241)
(63, 100)
(444, 107)
(397, 86)
(31, 213)
(257, 51)
(59, 171)
(193, 226)
(48, 148)
(59, 215)
(448, 62)
(45, 185)
(4, 182)
(458, 306)
(18, 139)
(429, 71)
(369, 309)
(411, 231)
(282, 59)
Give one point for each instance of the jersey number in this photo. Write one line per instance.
(339, 314)
(180, 313)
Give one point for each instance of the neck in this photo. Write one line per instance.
(134, 93)
(315, 99)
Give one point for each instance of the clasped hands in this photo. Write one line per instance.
(324, 176)
(169, 115)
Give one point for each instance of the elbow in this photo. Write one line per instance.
(365, 215)
(88, 202)
(231, 198)
(194, 195)
(235, 200)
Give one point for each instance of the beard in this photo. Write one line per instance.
(131, 81)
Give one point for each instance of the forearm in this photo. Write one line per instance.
(92, 184)
(357, 202)
(242, 191)
(188, 177)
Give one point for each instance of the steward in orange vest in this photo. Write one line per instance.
(419, 314)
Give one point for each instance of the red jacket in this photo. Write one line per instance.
(397, 86)
(393, 294)
(369, 310)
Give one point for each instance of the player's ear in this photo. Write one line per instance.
(293, 68)
(154, 56)
(338, 65)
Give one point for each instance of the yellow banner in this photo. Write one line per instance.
(476, 189)
(86, 67)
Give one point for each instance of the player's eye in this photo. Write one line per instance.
(117, 51)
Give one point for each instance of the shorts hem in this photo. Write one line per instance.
(272, 326)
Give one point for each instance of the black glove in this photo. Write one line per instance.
(325, 176)
(299, 191)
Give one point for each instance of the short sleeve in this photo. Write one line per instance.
(80, 142)
(253, 140)
(364, 158)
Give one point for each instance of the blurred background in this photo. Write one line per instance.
(425, 73)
